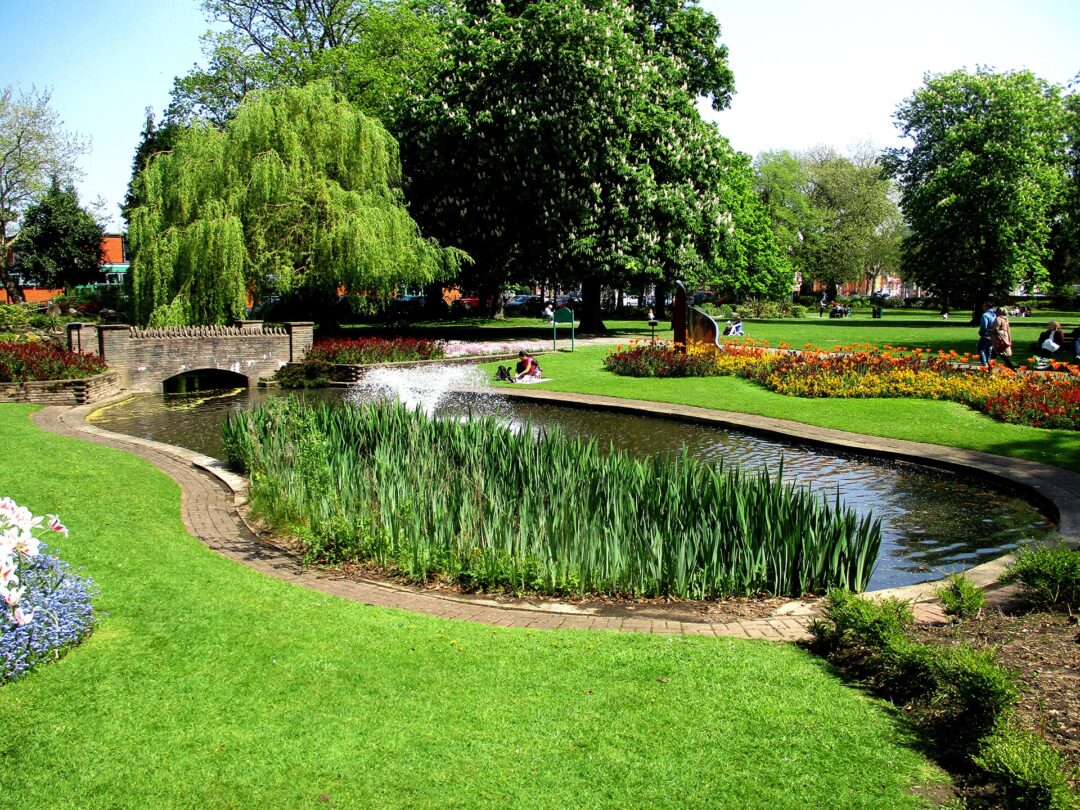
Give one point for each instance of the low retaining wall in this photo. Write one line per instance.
(63, 392)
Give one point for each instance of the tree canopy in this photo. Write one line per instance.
(34, 151)
(59, 241)
(368, 49)
(834, 214)
(299, 195)
(979, 183)
(561, 140)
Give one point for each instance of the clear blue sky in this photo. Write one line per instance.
(830, 72)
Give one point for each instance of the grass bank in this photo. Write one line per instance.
(209, 685)
(936, 422)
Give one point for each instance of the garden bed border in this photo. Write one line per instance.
(79, 391)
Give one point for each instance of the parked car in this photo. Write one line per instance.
(409, 303)
(571, 301)
(524, 306)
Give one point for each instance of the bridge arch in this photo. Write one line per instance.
(204, 379)
(147, 357)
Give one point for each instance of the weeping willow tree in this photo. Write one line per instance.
(299, 195)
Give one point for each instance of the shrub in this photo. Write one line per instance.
(863, 621)
(1048, 576)
(961, 597)
(798, 311)
(24, 362)
(14, 318)
(308, 373)
(977, 689)
(1030, 772)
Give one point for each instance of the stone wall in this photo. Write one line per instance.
(146, 357)
(63, 392)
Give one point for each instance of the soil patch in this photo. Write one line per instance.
(1044, 650)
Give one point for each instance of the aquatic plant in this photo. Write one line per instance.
(492, 508)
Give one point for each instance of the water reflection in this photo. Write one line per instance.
(932, 523)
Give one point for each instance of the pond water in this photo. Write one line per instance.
(933, 523)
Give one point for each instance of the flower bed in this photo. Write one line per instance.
(47, 608)
(29, 362)
(1035, 399)
(375, 350)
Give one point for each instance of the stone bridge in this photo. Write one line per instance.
(146, 357)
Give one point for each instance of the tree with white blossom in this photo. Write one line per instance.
(562, 140)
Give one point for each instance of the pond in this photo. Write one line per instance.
(933, 522)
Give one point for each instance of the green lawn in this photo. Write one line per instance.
(897, 327)
(919, 420)
(208, 685)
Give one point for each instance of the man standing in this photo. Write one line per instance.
(986, 338)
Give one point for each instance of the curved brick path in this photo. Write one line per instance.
(209, 509)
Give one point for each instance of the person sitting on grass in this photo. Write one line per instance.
(736, 325)
(1050, 340)
(527, 368)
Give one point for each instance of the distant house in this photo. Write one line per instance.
(114, 268)
(114, 258)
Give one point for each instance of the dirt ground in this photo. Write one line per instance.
(1044, 650)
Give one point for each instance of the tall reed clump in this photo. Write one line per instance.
(490, 508)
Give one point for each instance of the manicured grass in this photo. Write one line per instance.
(208, 685)
(919, 420)
(897, 327)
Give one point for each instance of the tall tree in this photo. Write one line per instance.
(369, 49)
(782, 181)
(1064, 265)
(561, 140)
(978, 184)
(852, 214)
(59, 242)
(299, 195)
(34, 149)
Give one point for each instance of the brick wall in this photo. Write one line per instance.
(63, 392)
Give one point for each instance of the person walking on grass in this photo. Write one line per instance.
(985, 347)
(1001, 332)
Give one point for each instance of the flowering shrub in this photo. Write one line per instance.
(376, 350)
(1039, 400)
(25, 362)
(46, 608)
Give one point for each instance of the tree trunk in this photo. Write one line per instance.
(13, 289)
(591, 321)
(659, 294)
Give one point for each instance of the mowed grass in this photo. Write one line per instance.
(209, 685)
(901, 328)
(919, 420)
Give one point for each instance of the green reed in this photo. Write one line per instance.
(489, 508)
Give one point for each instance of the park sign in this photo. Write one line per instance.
(562, 315)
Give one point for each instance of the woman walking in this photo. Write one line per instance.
(1001, 334)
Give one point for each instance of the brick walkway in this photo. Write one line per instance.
(210, 512)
